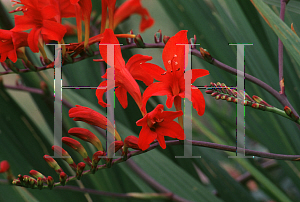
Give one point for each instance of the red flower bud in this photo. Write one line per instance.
(166, 39)
(96, 158)
(63, 153)
(4, 166)
(63, 178)
(74, 144)
(114, 147)
(52, 163)
(80, 168)
(37, 174)
(50, 182)
(86, 135)
(40, 183)
(132, 142)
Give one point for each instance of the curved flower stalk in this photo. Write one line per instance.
(125, 75)
(157, 124)
(171, 82)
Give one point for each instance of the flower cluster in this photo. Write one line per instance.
(44, 20)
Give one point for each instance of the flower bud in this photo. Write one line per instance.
(158, 37)
(114, 147)
(4, 166)
(40, 183)
(32, 182)
(63, 178)
(166, 39)
(206, 55)
(132, 142)
(66, 157)
(209, 91)
(52, 163)
(96, 158)
(37, 174)
(74, 144)
(50, 182)
(214, 94)
(139, 41)
(130, 40)
(218, 97)
(86, 135)
(80, 168)
(16, 182)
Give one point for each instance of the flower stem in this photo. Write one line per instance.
(280, 51)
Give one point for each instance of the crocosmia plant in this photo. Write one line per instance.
(149, 100)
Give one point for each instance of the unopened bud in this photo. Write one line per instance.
(52, 163)
(158, 37)
(139, 41)
(37, 174)
(166, 39)
(95, 160)
(80, 168)
(63, 178)
(86, 135)
(206, 55)
(74, 144)
(40, 183)
(50, 182)
(65, 155)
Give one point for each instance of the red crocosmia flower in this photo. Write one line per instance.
(133, 7)
(83, 9)
(125, 75)
(172, 81)
(39, 16)
(157, 124)
(9, 43)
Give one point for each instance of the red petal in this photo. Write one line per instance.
(134, 67)
(142, 121)
(121, 94)
(196, 73)
(170, 129)
(33, 38)
(53, 30)
(170, 116)
(161, 140)
(110, 38)
(23, 23)
(100, 92)
(198, 100)
(174, 53)
(155, 89)
(49, 12)
(154, 71)
(146, 137)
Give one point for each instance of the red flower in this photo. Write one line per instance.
(157, 124)
(125, 75)
(172, 81)
(9, 43)
(40, 17)
(133, 7)
(83, 9)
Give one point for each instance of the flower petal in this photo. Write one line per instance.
(197, 100)
(154, 71)
(110, 38)
(121, 94)
(171, 129)
(161, 140)
(134, 67)
(53, 30)
(196, 73)
(155, 89)
(146, 137)
(33, 39)
(174, 54)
